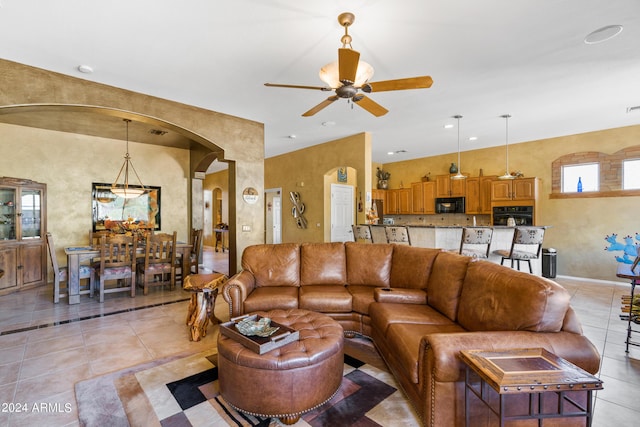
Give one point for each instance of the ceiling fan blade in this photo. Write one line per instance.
(320, 106)
(370, 105)
(299, 86)
(422, 82)
(347, 65)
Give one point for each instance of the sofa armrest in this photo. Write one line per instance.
(440, 352)
(236, 290)
(400, 295)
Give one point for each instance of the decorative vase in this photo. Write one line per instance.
(453, 168)
(383, 184)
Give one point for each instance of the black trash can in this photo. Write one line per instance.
(549, 262)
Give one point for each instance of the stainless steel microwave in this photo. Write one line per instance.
(450, 205)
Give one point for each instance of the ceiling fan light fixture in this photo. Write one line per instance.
(330, 74)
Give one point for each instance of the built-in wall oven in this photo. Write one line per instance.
(521, 215)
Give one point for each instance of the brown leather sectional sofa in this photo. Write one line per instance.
(419, 306)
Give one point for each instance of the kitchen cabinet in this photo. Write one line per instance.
(447, 187)
(23, 254)
(377, 194)
(398, 201)
(514, 189)
(478, 196)
(423, 197)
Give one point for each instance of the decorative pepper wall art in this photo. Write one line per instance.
(298, 209)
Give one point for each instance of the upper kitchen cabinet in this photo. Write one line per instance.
(478, 196)
(398, 201)
(423, 197)
(447, 187)
(23, 255)
(514, 189)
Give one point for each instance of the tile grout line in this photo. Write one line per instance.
(93, 316)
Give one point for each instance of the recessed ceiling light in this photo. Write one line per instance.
(603, 34)
(292, 136)
(329, 123)
(390, 153)
(87, 69)
(448, 126)
(473, 138)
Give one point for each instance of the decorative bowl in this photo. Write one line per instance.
(261, 328)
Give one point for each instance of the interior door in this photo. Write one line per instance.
(342, 212)
(277, 219)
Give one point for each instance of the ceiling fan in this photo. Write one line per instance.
(348, 76)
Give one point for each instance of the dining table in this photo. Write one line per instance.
(76, 255)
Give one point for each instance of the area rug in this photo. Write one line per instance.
(183, 391)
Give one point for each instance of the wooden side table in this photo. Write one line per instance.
(550, 386)
(204, 288)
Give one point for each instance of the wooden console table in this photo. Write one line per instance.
(525, 384)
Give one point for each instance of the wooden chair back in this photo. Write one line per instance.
(159, 266)
(60, 274)
(117, 251)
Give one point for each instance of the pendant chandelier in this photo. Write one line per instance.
(459, 174)
(124, 190)
(507, 174)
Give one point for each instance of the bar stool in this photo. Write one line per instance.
(631, 272)
(526, 245)
(362, 233)
(476, 242)
(398, 234)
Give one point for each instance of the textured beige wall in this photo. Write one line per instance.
(69, 163)
(304, 171)
(578, 225)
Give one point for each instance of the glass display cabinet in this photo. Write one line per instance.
(23, 254)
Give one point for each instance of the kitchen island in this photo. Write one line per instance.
(447, 237)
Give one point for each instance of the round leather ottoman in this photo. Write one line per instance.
(287, 381)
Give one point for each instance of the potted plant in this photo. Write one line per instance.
(383, 179)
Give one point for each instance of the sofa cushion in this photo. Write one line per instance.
(362, 296)
(273, 265)
(325, 299)
(445, 283)
(400, 295)
(493, 299)
(369, 265)
(271, 297)
(411, 266)
(404, 339)
(323, 264)
(385, 314)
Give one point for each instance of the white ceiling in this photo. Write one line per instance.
(487, 58)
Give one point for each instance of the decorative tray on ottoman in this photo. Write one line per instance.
(283, 335)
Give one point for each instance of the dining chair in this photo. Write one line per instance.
(362, 233)
(525, 246)
(117, 263)
(397, 234)
(61, 274)
(159, 265)
(476, 241)
(95, 236)
(194, 257)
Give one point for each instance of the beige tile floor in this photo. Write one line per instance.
(42, 365)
